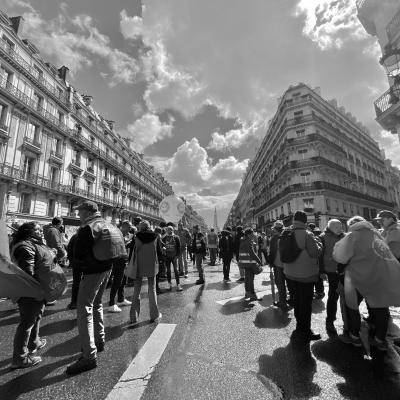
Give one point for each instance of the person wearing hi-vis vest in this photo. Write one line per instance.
(247, 259)
(198, 248)
(212, 239)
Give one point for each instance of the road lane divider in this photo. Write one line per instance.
(135, 379)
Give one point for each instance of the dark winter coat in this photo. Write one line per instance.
(326, 261)
(53, 239)
(226, 245)
(148, 249)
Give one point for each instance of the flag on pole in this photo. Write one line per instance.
(14, 282)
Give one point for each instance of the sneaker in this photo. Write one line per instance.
(330, 328)
(43, 343)
(51, 303)
(114, 309)
(28, 361)
(283, 306)
(350, 339)
(179, 288)
(240, 280)
(319, 296)
(200, 282)
(71, 306)
(381, 345)
(185, 276)
(253, 297)
(124, 303)
(81, 365)
(314, 336)
(157, 319)
(181, 274)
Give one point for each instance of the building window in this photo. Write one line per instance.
(336, 206)
(3, 114)
(289, 208)
(308, 203)
(74, 182)
(328, 204)
(28, 167)
(51, 208)
(344, 207)
(300, 132)
(298, 114)
(305, 177)
(25, 203)
(302, 153)
(351, 209)
(53, 176)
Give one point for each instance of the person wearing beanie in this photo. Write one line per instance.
(302, 274)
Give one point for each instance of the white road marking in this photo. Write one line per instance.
(135, 379)
(224, 301)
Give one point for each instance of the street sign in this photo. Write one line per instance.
(172, 209)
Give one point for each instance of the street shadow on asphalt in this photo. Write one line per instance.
(32, 380)
(292, 369)
(221, 285)
(364, 379)
(318, 306)
(57, 327)
(15, 318)
(236, 307)
(272, 318)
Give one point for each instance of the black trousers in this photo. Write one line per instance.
(118, 282)
(319, 286)
(333, 296)
(226, 266)
(174, 262)
(76, 280)
(303, 293)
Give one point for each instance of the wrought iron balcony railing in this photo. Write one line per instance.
(387, 100)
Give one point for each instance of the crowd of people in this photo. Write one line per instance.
(360, 264)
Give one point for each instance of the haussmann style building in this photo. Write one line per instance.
(56, 150)
(317, 157)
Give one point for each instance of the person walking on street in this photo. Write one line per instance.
(94, 281)
(299, 251)
(118, 276)
(198, 248)
(332, 234)
(226, 251)
(274, 260)
(54, 237)
(172, 246)
(247, 259)
(148, 248)
(212, 240)
(185, 239)
(29, 252)
(239, 234)
(319, 285)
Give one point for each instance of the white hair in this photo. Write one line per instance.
(355, 219)
(332, 222)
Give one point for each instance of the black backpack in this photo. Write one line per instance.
(288, 247)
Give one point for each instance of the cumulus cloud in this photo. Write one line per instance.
(82, 43)
(147, 130)
(330, 22)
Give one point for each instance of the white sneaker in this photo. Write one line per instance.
(124, 303)
(179, 288)
(114, 309)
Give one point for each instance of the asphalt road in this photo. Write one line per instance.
(226, 350)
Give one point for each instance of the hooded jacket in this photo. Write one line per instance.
(391, 234)
(148, 250)
(326, 261)
(372, 269)
(305, 267)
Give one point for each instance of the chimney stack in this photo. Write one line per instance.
(110, 124)
(87, 99)
(17, 24)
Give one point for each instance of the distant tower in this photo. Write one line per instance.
(216, 220)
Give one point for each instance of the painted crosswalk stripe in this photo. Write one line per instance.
(224, 301)
(135, 379)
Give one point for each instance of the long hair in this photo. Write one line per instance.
(25, 231)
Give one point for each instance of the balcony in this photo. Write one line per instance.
(4, 135)
(32, 145)
(89, 173)
(393, 27)
(387, 108)
(14, 58)
(105, 181)
(56, 156)
(75, 167)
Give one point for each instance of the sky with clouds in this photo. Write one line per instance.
(194, 83)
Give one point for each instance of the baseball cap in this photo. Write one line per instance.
(88, 205)
(386, 214)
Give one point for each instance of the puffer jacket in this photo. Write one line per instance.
(326, 261)
(391, 234)
(305, 268)
(32, 255)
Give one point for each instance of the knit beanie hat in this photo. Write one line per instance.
(300, 216)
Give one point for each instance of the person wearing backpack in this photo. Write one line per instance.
(299, 250)
(198, 248)
(172, 246)
(95, 274)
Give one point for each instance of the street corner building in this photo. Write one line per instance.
(56, 150)
(315, 157)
